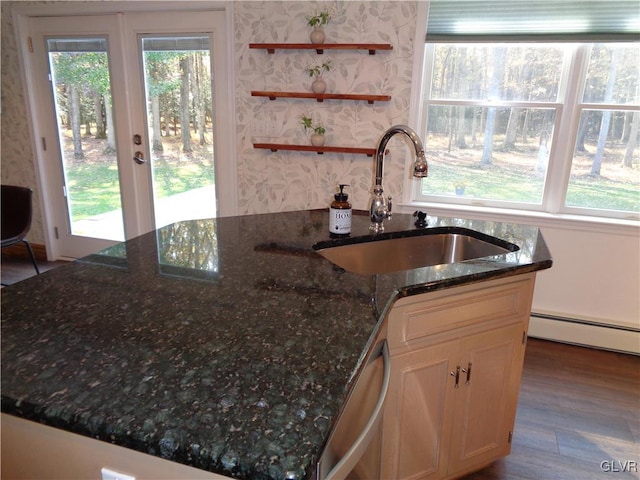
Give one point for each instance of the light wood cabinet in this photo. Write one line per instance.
(485, 404)
(417, 413)
(456, 360)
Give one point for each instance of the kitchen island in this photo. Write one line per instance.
(226, 344)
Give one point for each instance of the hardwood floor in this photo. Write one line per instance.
(578, 413)
(578, 416)
(16, 269)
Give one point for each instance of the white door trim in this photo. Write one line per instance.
(226, 170)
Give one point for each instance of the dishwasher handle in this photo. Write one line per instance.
(357, 449)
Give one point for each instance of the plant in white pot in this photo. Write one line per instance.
(317, 22)
(315, 71)
(317, 138)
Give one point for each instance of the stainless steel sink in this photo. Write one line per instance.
(396, 254)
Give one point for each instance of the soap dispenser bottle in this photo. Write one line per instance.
(340, 214)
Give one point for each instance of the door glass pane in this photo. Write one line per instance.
(180, 130)
(84, 118)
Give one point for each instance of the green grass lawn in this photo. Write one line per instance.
(605, 193)
(493, 183)
(94, 187)
(500, 183)
(512, 176)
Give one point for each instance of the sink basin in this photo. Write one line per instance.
(405, 253)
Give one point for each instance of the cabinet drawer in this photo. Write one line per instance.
(419, 316)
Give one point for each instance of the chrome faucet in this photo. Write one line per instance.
(380, 208)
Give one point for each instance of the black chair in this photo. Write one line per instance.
(16, 218)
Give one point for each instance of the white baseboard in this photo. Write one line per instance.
(591, 334)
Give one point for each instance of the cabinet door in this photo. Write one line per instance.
(487, 396)
(418, 413)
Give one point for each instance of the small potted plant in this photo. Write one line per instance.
(317, 22)
(315, 72)
(460, 186)
(317, 138)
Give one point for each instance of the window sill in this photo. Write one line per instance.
(541, 219)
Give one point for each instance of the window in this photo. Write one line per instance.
(605, 168)
(549, 125)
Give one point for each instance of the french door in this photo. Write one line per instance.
(127, 108)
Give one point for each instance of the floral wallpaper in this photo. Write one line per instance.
(284, 180)
(18, 166)
(287, 180)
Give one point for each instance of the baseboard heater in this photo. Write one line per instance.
(590, 333)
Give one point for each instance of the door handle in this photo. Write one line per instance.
(138, 157)
(357, 449)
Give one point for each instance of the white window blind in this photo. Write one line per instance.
(175, 44)
(555, 20)
(76, 45)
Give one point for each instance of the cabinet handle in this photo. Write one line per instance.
(357, 449)
(457, 375)
(468, 372)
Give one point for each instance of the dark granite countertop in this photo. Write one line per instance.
(225, 344)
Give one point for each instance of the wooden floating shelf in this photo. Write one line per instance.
(320, 97)
(274, 147)
(321, 47)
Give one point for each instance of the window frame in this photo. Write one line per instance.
(568, 107)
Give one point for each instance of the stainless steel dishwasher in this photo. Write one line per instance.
(353, 449)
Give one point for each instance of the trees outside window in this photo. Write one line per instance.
(605, 170)
(492, 117)
(179, 100)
